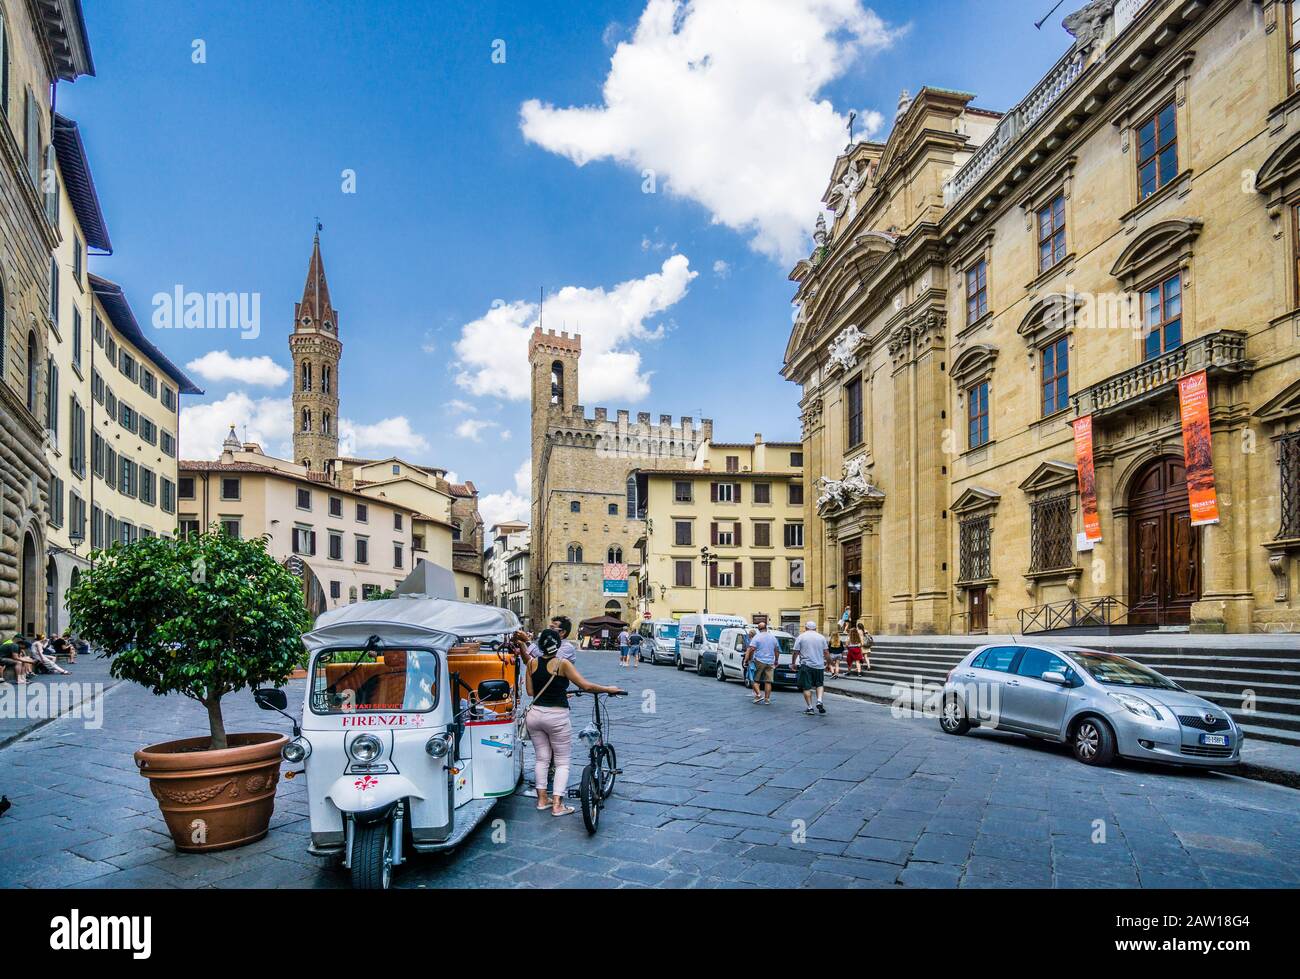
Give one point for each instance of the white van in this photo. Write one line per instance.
(731, 657)
(697, 640)
(658, 641)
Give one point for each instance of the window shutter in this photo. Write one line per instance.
(713, 533)
(735, 492)
(737, 526)
(713, 575)
(713, 493)
(737, 581)
(313, 544)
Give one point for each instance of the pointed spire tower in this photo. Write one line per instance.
(316, 350)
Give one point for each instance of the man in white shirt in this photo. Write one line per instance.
(810, 656)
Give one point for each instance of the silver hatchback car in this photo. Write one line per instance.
(1100, 704)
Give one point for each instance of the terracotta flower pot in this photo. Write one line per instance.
(214, 800)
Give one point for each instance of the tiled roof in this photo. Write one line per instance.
(119, 311)
(71, 155)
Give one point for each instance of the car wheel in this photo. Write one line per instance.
(720, 674)
(953, 718)
(1093, 742)
(700, 667)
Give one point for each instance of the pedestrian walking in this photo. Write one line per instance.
(624, 647)
(855, 654)
(547, 718)
(810, 656)
(868, 640)
(846, 618)
(635, 649)
(750, 632)
(761, 651)
(835, 653)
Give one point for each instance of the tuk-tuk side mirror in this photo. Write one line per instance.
(491, 690)
(270, 698)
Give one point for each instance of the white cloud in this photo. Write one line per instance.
(513, 504)
(506, 435)
(390, 435)
(458, 407)
(493, 350)
(726, 109)
(263, 420)
(472, 428)
(721, 269)
(218, 366)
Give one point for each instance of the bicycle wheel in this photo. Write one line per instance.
(606, 769)
(590, 793)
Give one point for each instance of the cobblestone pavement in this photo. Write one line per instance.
(715, 792)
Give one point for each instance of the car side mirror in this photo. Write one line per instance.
(491, 690)
(1054, 676)
(270, 698)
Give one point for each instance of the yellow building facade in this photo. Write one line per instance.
(726, 536)
(988, 279)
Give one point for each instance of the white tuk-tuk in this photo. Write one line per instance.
(408, 728)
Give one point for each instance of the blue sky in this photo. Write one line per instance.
(469, 197)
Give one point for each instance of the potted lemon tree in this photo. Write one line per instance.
(204, 616)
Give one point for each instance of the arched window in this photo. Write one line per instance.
(557, 383)
(325, 378)
(306, 419)
(614, 555)
(32, 379)
(575, 553)
(325, 422)
(306, 376)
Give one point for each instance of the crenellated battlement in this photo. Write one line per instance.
(553, 343)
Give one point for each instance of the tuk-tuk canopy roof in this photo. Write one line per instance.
(399, 621)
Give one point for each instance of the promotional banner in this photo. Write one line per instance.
(615, 580)
(1087, 477)
(1194, 409)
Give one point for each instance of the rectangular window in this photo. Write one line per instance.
(723, 537)
(1051, 534)
(168, 398)
(762, 492)
(726, 579)
(336, 506)
(397, 521)
(397, 556)
(148, 431)
(762, 574)
(168, 495)
(613, 509)
(1157, 151)
(336, 546)
(230, 487)
(796, 494)
(1293, 46)
(187, 527)
(417, 542)
(304, 499)
(56, 502)
(1056, 376)
(975, 537)
(575, 506)
(682, 533)
(682, 571)
(148, 486)
(304, 541)
(733, 464)
(97, 386)
(96, 527)
(977, 415)
(794, 534)
(853, 412)
(363, 513)
(110, 467)
(186, 487)
(77, 439)
(762, 534)
(52, 398)
(76, 517)
(128, 480)
(977, 291)
(796, 460)
(1051, 233)
(1162, 316)
(76, 338)
(167, 442)
(148, 383)
(726, 492)
(363, 550)
(336, 589)
(1288, 460)
(682, 492)
(230, 527)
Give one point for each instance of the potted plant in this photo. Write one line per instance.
(205, 616)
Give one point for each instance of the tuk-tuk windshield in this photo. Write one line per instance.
(348, 680)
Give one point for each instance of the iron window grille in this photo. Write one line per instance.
(1288, 457)
(1050, 534)
(975, 535)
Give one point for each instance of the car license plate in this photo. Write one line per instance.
(1218, 740)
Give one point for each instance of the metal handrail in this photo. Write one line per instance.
(1073, 613)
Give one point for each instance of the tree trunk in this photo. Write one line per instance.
(216, 724)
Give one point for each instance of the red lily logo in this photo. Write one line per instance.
(366, 782)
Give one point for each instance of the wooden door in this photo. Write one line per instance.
(852, 552)
(977, 602)
(1164, 547)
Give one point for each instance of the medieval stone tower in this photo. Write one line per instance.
(315, 348)
(586, 502)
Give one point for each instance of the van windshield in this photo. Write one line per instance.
(713, 632)
(345, 681)
(667, 632)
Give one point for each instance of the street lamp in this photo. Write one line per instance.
(709, 561)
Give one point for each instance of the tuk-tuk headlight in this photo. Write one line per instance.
(437, 746)
(296, 751)
(365, 749)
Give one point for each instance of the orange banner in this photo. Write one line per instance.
(1194, 409)
(1087, 477)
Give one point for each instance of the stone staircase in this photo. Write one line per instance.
(1230, 671)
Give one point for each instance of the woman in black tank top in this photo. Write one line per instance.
(547, 679)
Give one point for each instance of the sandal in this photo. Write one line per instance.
(563, 811)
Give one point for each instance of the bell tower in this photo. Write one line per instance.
(315, 347)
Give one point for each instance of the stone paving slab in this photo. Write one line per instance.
(715, 793)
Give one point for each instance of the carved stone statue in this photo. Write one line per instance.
(851, 487)
(843, 351)
(1088, 22)
(819, 233)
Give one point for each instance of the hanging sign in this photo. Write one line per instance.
(1087, 478)
(615, 580)
(1194, 410)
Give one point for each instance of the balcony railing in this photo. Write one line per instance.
(1220, 352)
(1074, 613)
(1013, 125)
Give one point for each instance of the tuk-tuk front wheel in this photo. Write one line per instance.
(372, 856)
